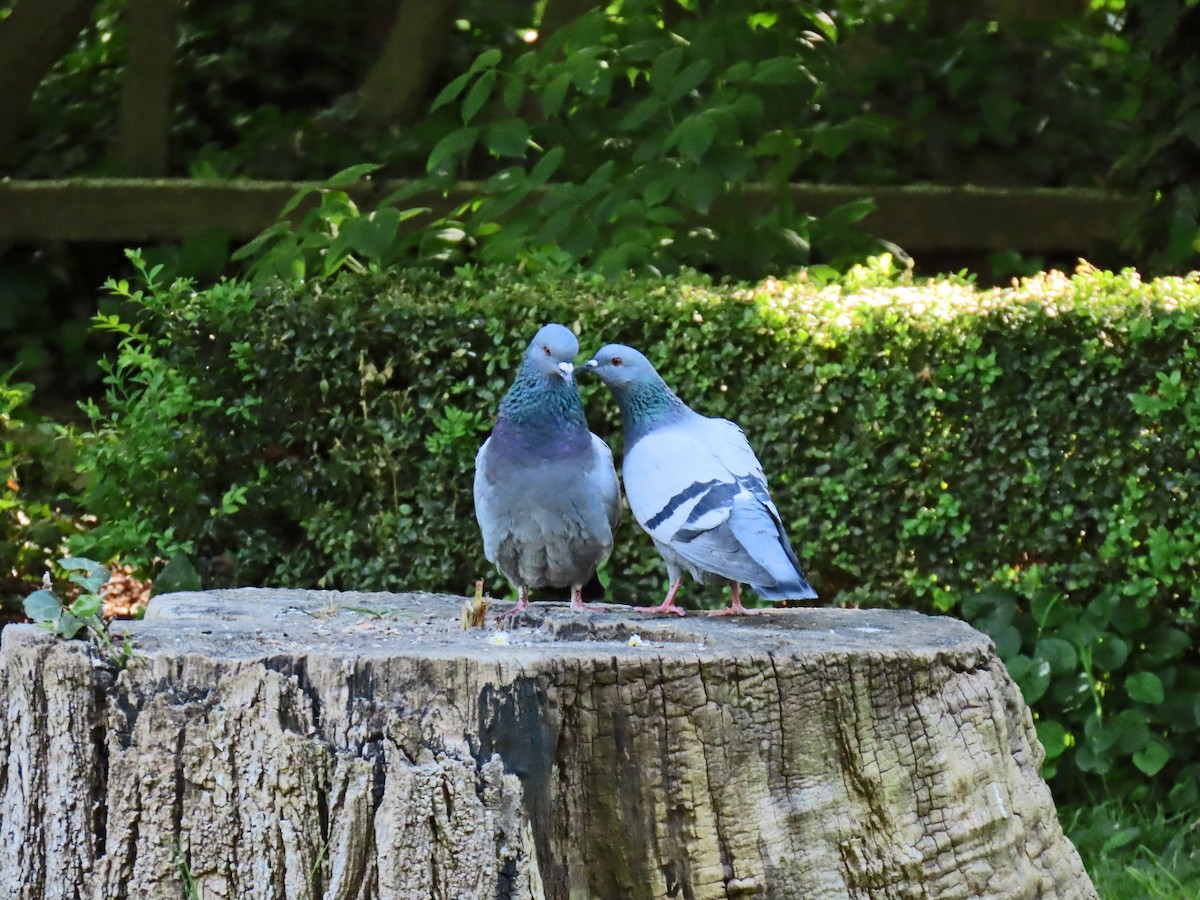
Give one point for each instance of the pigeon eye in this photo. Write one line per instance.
(547, 349)
(616, 360)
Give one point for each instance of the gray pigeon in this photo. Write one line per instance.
(546, 493)
(697, 489)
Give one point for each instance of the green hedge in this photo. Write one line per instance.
(1022, 457)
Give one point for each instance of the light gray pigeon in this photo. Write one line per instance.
(546, 493)
(697, 489)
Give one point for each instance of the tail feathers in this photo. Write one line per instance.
(795, 588)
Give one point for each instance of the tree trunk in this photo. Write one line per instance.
(144, 119)
(292, 744)
(32, 39)
(393, 90)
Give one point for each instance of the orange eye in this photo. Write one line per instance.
(616, 360)
(547, 349)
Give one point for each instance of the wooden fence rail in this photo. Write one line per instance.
(920, 219)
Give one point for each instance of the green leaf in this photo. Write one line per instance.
(662, 73)
(658, 191)
(69, 626)
(1034, 685)
(645, 110)
(689, 79)
(513, 94)
(780, 70)
(1058, 653)
(1145, 687)
(508, 137)
(488, 59)
(555, 94)
(694, 135)
(43, 606)
(480, 91)
(374, 236)
(450, 91)
(177, 575)
(1110, 654)
(450, 148)
(700, 190)
(547, 165)
(86, 605)
(351, 174)
(1053, 737)
(1151, 758)
(80, 564)
(739, 71)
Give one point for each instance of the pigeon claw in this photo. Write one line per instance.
(735, 608)
(577, 601)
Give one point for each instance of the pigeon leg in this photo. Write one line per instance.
(521, 605)
(668, 605)
(577, 600)
(736, 608)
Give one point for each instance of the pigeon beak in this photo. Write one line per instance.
(566, 369)
(591, 365)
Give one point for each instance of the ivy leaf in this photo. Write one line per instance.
(1145, 687)
(1053, 737)
(1110, 654)
(1058, 653)
(1151, 758)
(43, 606)
(86, 605)
(69, 626)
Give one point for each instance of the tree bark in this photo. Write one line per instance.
(287, 744)
(394, 88)
(32, 39)
(144, 118)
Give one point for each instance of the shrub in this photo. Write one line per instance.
(36, 466)
(1023, 457)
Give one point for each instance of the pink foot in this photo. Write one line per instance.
(668, 605)
(577, 601)
(735, 608)
(521, 605)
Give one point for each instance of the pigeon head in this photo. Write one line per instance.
(552, 352)
(544, 393)
(620, 367)
(644, 398)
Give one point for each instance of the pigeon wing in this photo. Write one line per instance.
(697, 487)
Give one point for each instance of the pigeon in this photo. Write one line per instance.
(546, 492)
(697, 489)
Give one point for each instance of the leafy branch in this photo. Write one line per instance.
(48, 610)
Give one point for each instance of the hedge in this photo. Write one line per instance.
(1023, 457)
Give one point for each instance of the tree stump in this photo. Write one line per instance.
(306, 745)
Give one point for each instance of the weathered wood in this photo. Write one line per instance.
(33, 38)
(144, 116)
(283, 745)
(920, 218)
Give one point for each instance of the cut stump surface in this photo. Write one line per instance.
(305, 745)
